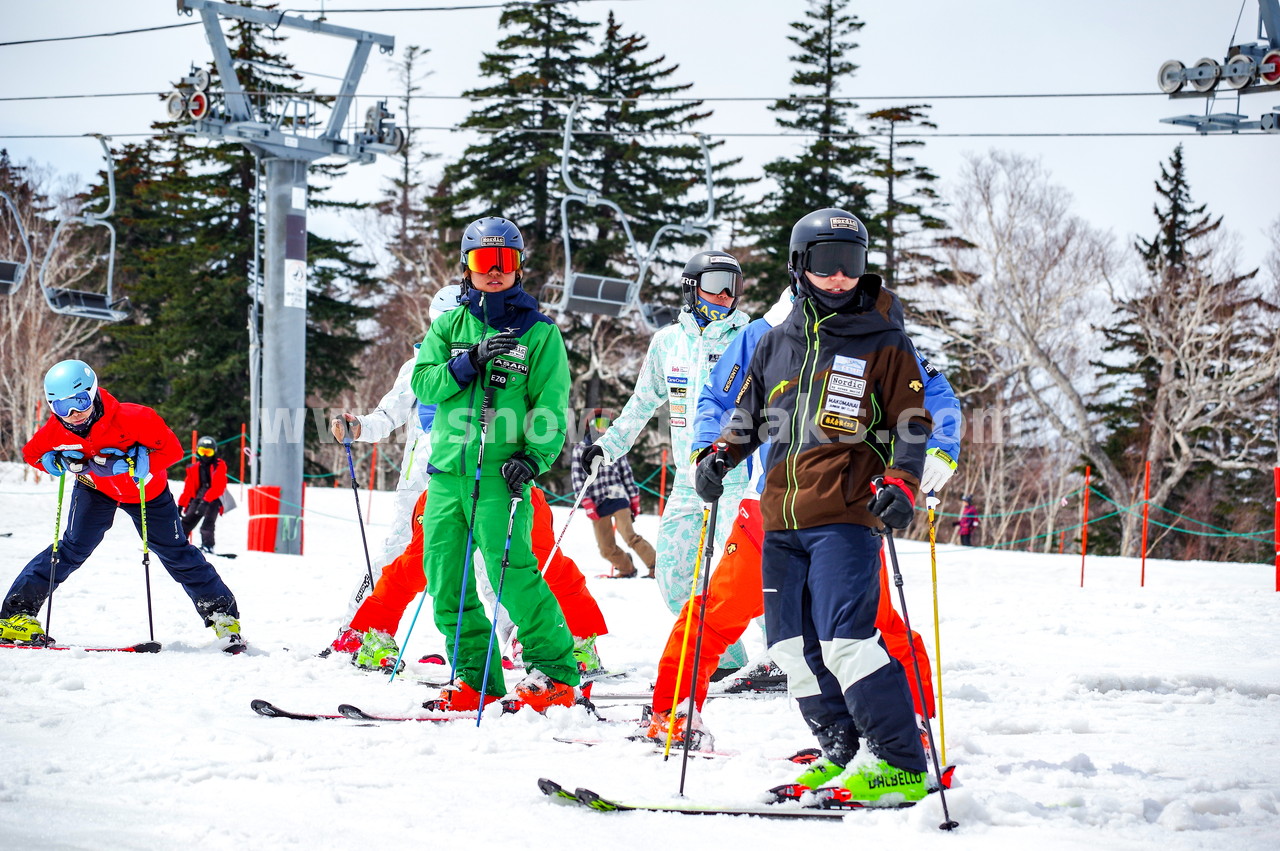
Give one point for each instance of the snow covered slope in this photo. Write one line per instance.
(1111, 716)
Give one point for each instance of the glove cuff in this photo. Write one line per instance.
(941, 456)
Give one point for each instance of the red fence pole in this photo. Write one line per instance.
(1146, 506)
(1084, 526)
(662, 484)
(1062, 542)
(195, 436)
(1278, 528)
(373, 473)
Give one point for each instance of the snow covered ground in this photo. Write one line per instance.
(1111, 716)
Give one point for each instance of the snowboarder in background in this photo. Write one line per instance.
(498, 372)
(836, 390)
(675, 368)
(116, 450)
(614, 497)
(202, 492)
(968, 521)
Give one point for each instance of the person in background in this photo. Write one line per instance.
(118, 452)
(202, 492)
(612, 500)
(968, 521)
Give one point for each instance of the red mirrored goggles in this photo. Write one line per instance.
(483, 260)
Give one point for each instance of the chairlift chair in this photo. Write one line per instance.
(102, 306)
(12, 271)
(589, 293)
(612, 296)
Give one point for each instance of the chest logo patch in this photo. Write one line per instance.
(850, 366)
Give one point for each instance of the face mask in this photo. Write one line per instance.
(704, 311)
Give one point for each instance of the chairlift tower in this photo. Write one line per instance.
(1247, 69)
(283, 133)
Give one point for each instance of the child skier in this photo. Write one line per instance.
(202, 491)
(836, 389)
(117, 451)
(499, 375)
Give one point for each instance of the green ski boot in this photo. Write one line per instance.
(880, 784)
(819, 773)
(378, 651)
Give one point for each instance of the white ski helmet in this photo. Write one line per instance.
(447, 299)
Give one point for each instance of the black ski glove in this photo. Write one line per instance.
(491, 347)
(893, 502)
(592, 459)
(708, 480)
(518, 470)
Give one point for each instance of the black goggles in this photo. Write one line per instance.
(826, 258)
(720, 281)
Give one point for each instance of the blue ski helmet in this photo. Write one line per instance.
(70, 385)
(827, 240)
(491, 231)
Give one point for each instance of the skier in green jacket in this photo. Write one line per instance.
(499, 374)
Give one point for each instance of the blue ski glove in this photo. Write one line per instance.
(56, 463)
(518, 470)
(108, 462)
(141, 461)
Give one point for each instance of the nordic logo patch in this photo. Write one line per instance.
(844, 222)
(844, 384)
(493, 240)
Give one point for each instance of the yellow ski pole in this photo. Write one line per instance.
(932, 502)
(688, 624)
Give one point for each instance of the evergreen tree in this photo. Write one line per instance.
(1192, 331)
(513, 171)
(186, 216)
(905, 194)
(827, 171)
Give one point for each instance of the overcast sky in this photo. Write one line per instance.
(918, 50)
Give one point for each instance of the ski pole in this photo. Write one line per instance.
(947, 823)
(697, 647)
(591, 477)
(146, 550)
(53, 556)
(932, 503)
(355, 491)
(688, 621)
(516, 499)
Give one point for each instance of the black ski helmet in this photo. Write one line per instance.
(714, 272)
(206, 443)
(830, 225)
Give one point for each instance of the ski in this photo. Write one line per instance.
(270, 710)
(355, 713)
(646, 696)
(591, 800)
(143, 647)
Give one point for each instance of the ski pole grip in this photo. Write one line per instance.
(346, 431)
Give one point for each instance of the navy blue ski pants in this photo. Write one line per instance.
(821, 592)
(88, 520)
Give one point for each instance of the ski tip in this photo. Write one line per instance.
(146, 647)
(346, 710)
(263, 707)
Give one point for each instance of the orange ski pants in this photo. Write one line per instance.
(735, 596)
(403, 579)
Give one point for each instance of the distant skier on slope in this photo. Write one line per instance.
(115, 450)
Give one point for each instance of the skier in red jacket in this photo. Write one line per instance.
(202, 492)
(117, 451)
